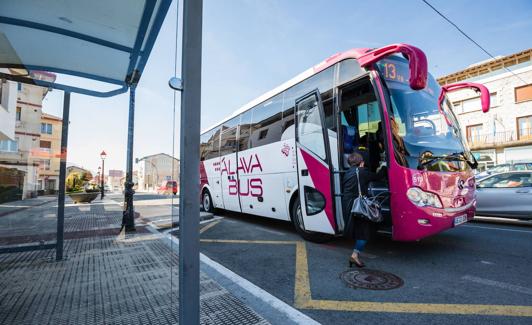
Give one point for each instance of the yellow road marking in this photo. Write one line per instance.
(209, 226)
(303, 296)
(302, 293)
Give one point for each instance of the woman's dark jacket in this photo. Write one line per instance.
(350, 187)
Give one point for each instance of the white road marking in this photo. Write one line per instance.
(502, 285)
(487, 262)
(291, 313)
(495, 228)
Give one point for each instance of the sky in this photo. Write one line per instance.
(252, 46)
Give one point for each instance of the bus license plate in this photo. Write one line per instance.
(460, 220)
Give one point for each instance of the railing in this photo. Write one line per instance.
(498, 138)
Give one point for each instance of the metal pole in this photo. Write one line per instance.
(128, 217)
(62, 178)
(189, 154)
(102, 180)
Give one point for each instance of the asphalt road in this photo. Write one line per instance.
(447, 278)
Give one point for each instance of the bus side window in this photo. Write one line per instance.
(245, 131)
(266, 122)
(214, 144)
(204, 145)
(228, 143)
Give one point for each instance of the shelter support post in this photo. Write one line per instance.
(189, 155)
(128, 216)
(62, 178)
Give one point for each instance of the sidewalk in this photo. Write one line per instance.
(15, 206)
(106, 278)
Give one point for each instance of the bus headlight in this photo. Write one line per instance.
(422, 198)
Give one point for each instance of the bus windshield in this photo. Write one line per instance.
(424, 136)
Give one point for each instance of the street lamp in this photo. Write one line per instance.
(103, 155)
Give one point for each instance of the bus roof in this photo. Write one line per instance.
(333, 59)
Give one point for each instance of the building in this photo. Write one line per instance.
(504, 134)
(48, 155)
(114, 180)
(17, 156)
(8, 104)
(154, 169)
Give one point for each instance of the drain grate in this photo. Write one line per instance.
(371, 279)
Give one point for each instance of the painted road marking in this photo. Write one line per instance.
(303, 295)
(495, 228)
(285, 309)
(502, 285)
(209, 226)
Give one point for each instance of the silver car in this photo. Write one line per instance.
(506, 194)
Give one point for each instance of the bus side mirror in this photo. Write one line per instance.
(417, 62)
(484, 93)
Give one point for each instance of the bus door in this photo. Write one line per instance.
(228, 165)
(313, 166)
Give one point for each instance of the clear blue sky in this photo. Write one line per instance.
(251, 46)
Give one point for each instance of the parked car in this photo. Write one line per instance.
(168, 187)
(505, 168)
(506, 194)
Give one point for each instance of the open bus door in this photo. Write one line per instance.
(316, 213)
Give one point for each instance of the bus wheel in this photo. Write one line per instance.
(297, 219)
(206, 202)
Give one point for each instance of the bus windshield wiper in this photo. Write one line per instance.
(430, 159)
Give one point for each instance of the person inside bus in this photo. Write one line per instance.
(398, 144)
(360, 229)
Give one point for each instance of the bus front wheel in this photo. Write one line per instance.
(206, 202)
(297, 219)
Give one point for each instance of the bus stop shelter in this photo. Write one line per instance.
(110, 42)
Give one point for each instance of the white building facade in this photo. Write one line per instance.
(153, 170)
(504, 134)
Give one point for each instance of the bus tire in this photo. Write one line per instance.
(206, 201)
(296, 216)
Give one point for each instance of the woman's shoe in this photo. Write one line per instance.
(357, 262)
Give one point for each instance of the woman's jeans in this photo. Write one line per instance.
(359, 245)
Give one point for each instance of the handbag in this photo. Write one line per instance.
(364, 207)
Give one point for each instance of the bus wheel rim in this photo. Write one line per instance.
(206, 202)
(299, 216)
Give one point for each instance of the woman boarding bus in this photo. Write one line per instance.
(283, 155)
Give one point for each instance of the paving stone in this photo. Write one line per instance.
(106, 279)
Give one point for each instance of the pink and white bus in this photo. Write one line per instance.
(283, 155)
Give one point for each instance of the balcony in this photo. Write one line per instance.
(511, 138)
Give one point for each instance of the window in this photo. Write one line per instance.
(205, 146)
(322, 81)
(474, 104)
(46, 128)
(19, 113)
(266, 126)
(474, 133)
(213, 144)
(524, 127)
(309, 126)
(46, 164)
(245, 131)
(507, 180)
(314, 201)
(523, 94)
(349, 70)
(46, 145)
(228, 143)
(8, 145)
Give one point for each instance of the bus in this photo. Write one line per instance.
(284, 154)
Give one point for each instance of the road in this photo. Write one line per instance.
(463, 275)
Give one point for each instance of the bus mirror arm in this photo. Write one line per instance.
(484, 93)
(417, 62)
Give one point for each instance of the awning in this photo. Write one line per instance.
(104, 40)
